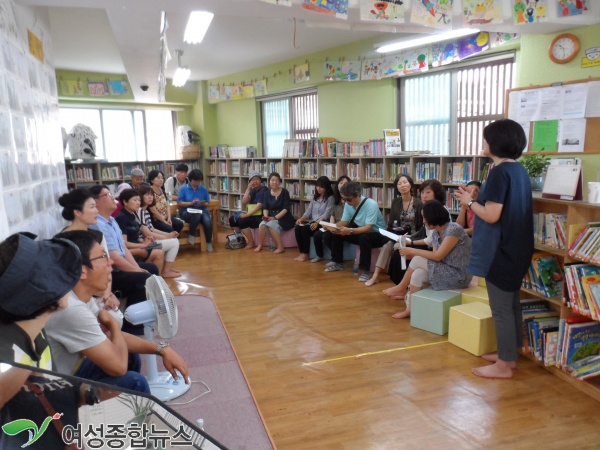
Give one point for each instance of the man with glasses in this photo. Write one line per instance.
(360, 224)
(77, 334)
(128, 276)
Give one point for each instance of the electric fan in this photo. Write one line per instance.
(158, 313)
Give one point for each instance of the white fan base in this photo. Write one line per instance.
(165, 388)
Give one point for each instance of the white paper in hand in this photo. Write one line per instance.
(403, 258)
(328, 225)
(194, 211)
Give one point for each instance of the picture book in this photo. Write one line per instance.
(550, 274)
(587, 282)
(537, 327)
(529, 322)
(550, 347)
(393, 144)
(582, 238)
(581, 340)
(534, 304)
(562, 327)
(585, 367)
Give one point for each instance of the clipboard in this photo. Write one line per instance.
(563, 182)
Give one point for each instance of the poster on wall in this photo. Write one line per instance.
(213, 92)
(477, 12)
(97, 88)
(526, 12)
(443, 53)
(338, 8)
(432, 13)
(341, 70)
(260, 88)
(391, 11)
(566, 8)
(279, 2)
(301, 74)
(471, 45)
(371, 69)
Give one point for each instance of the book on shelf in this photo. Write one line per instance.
(574, 273)
(585, 368)
(550, 347)
(580, 341)
(392, 141)
(563, 324)
(550, 229)
(548, 274)
(528, 317)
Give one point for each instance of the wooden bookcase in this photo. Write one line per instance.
(227, 178)
(84, 173)
(577, 212)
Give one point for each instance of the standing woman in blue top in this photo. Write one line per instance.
(194, 195)
(276, 214)
(502, 240)
(317, 210)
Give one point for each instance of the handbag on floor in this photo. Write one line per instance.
(235, 241)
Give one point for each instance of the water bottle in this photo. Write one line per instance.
(395, 225)
(271, 246)
(200, 423)
(355, 271)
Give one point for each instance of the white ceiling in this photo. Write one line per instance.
(118, 36)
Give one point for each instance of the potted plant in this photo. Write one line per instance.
(536, 168)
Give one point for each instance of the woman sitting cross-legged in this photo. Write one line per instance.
(405, 215)
(169, 241)
(134, 240)
(276, 214)
(443, 268)
(318, 209)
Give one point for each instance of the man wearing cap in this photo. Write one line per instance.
(253, 199)
(79, 345)
(173, 184)
(35, 279)
(128, 276)
(137, 179)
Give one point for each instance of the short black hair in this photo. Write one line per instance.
(274, 174)
(351, 189)
(435, 214)
(325, 183)
(474, 183)
(97, 188)
(196, 175)
(73, 201)
(439, 192)
(84, 240)
(397, 179)
(152, 175)
(128, 194)
(143, 190)
(505, 138)
(182, 167)
(336, 190)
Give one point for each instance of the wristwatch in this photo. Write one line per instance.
(161, 346)
(470, 203)
(351, 230)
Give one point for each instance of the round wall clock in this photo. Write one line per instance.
(563, 48)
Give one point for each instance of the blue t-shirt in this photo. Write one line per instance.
(368, 214)
(187, 194)
(112, 233)
(501, 252)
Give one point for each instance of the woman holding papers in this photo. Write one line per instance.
(443, 268)
(276, 214)
(405, 217)
(317, 210)
(502, 239)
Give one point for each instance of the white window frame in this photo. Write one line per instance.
(467, 122)
(300, 126)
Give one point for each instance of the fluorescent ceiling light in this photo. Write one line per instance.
(182, 73)
(197, 25)
(387, 47)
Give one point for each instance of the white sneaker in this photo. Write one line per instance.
(209, 247)
(191, 240)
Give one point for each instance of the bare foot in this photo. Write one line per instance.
(493, 357)
(279, 250)
(500, 369)
(371, 281)
(258, 248)
(301, 257)
(249, 246)
(397, 297)
(171, 274)
(395, 292)
(401, 314)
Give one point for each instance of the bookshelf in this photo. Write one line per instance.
(226, 183)
(84, 173)
(578, 213)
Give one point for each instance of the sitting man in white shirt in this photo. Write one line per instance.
(88, 342)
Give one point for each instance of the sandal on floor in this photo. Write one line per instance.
(371, 282)
(335, 267)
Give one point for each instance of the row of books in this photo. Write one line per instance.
(111, 173)
(540, 330)
(306, 148)
(549, 229)
(578, 347)
(582, 289)
(426, 171)
(459, 172)
(374, 192)
(485, 171)
(544, 275)
(586, 246)
(373, 172)
(242, 152)
(80, 174)
(219, 151)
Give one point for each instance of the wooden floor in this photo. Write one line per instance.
(330, 369)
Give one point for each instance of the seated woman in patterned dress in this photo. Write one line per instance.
(443, 268)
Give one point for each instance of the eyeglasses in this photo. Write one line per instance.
(106, 195)
(347, 199)
(104, 256)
